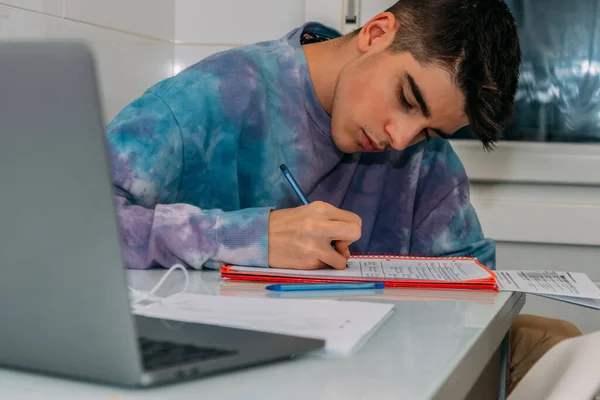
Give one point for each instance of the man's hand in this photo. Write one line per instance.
(300, 238)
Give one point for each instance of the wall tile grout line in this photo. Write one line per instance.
(201, 44)
(155, 39)
(109, 28)
(134, 34)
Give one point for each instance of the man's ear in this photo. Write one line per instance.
(378, 33)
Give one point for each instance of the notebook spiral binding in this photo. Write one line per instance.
(409, 256)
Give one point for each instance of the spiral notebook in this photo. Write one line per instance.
(464, 273)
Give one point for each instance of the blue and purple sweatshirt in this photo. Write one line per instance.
(196, 167)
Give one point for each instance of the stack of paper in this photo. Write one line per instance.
(407, 272)
(570, 287)
(345, 326)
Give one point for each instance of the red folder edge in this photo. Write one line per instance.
(268, 275)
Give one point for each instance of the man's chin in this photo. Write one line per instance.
(346, 146)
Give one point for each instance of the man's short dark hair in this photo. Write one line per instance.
(476, 41)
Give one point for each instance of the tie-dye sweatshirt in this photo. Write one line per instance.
(196, 167)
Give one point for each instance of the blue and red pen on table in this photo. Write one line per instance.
(324, 286)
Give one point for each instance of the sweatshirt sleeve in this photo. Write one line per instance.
(146, 150)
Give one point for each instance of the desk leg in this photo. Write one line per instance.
(503, 367)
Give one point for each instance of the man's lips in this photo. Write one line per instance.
(368, 144)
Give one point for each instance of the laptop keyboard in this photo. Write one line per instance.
(160, 354)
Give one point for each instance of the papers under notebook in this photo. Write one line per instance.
(344, 325)
(436, 273)
(393, 271)
(571, 287)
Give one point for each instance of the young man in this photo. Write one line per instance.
(196, 157)
(361, 120)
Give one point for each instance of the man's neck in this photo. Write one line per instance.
(325, 62)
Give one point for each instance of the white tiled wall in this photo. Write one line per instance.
(127, 63)
(153, 18)
(52, 7)
(328, 12)
(205, 27)
(235, 21)
(140, 42)
(186, 55)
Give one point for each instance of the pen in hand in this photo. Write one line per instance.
(290, 178)
(301, 237)
(296, 187)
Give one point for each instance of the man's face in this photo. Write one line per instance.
(385, 101)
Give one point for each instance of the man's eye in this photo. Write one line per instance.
(403, 101)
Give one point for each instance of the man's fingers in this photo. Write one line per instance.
(334, 213)
(343, 231)
(332, 258)
(342, 248)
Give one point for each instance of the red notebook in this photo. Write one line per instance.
(464, 273)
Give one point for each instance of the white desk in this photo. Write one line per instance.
(428, 349)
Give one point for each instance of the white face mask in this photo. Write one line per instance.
(138, 296)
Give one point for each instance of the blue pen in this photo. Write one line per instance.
(290, 178)
(324, 286)
(288, 175)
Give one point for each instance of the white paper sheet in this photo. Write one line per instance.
(588, 303)
(555, 283)
(390, 268)
(344, 325)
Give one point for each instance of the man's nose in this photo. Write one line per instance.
(402, 133)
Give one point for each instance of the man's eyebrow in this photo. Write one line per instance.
(424, 109)
(418, 95)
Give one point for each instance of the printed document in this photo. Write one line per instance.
(553, 283)
(588, 303)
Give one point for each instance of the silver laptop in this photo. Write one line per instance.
(63, 289)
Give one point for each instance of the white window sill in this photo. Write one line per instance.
(531, 162)
(535, 192)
